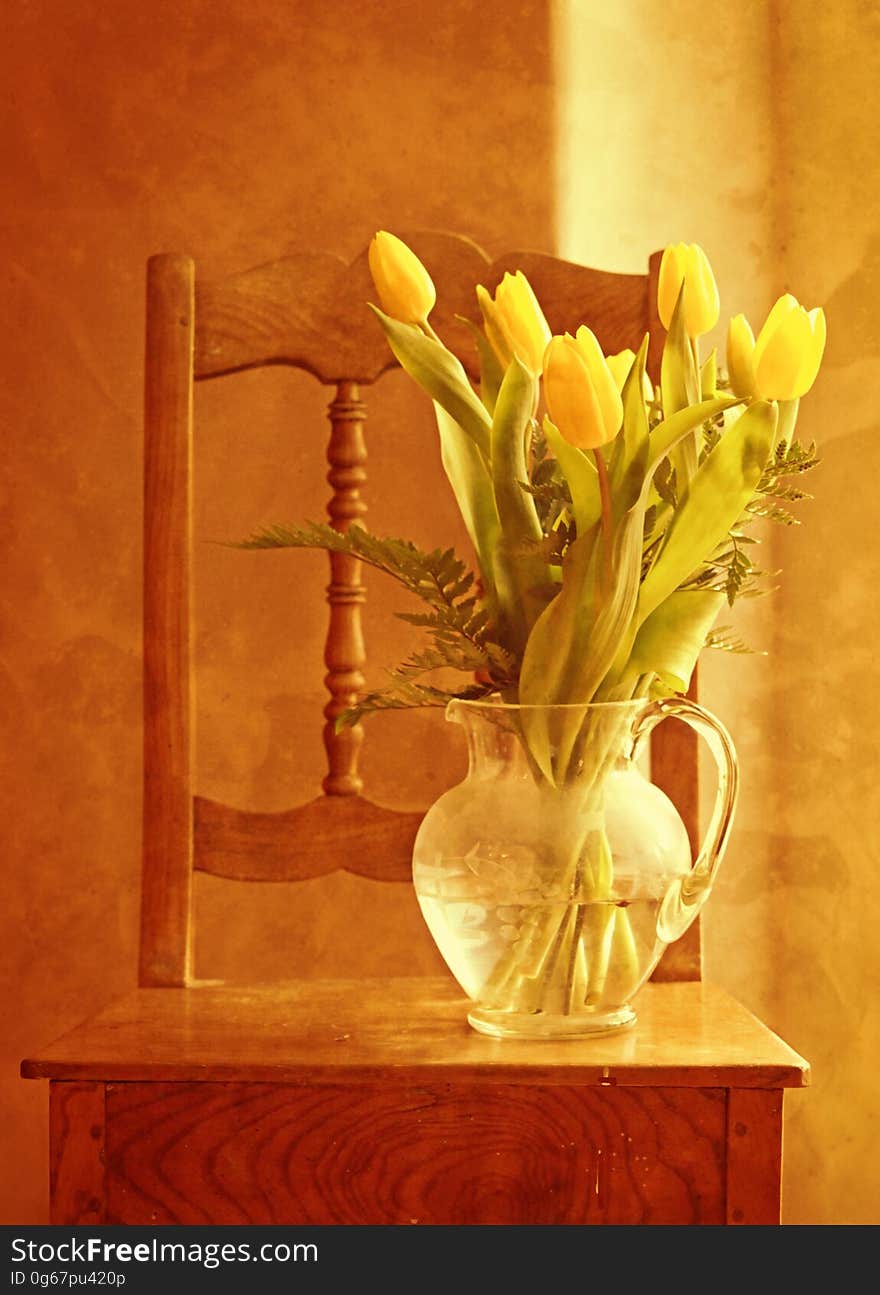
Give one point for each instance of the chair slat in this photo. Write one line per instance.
(327, 834)
(615, 306)
(310, 310)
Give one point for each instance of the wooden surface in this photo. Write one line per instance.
(76, 1153)
(754, 1156)
(167, 805)
(237, 1153)
(327, 834)
(365, 1031)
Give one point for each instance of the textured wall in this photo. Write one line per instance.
(757, 137)
(232, 130)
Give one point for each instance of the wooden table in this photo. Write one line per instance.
(373, 1102)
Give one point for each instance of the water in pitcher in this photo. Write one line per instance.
(562, 955)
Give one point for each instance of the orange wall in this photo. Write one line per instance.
(231, 129)
(755, 135)
(237, 130)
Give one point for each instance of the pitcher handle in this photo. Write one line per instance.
(687, 895)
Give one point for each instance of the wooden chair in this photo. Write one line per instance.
(189, 1104)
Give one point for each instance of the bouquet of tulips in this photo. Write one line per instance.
(609, 518)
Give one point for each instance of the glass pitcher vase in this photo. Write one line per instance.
(554, 877)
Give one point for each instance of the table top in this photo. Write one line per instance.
(688, 1034)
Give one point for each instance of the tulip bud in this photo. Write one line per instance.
(515, 323)
(688, 264)
(405, 288)
(582, 399)
(741, 356)
(789, 350)
(620, 365)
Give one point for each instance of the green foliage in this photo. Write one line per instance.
(721, 487)
(724, 639)
(731, 569)
(441, 374)
(599, 574)
(458, 623)
(404, 694)
(519, 602)
(546, 484)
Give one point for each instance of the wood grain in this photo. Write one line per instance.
(615, 306)
(167, 804)
(330, 833)
(76, 1153)
(410, 1030)
(401, 1154)
(754, 1156)
(310, 309)
(344, 653)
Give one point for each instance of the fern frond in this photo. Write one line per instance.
(773, 512)
(787, 461)
(403, 694)
(790, 493)
(725, 640)
(458, 623)
(439, 576)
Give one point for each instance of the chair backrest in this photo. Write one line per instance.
(308, 311)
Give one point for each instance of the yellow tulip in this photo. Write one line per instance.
(515, 323)
(688, 264)
(741, 356)
(582, 398)
(620, 365)
(405, 288)
(789, 350)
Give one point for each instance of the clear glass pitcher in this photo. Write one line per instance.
(555, 875)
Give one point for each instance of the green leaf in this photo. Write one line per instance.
(666, 434)
(468, 473)
(680, 387)
(717, 495)
(581, 475)
(438, 371)
(578, 638)
(709, 376)
(510, 426)
(631, 448)
(491, 372)
(671, 639)
(521, 532)
(584, 644)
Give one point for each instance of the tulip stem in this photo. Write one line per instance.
(429, 330)
(605, 497)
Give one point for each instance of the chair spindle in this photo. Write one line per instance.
(344, 653)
